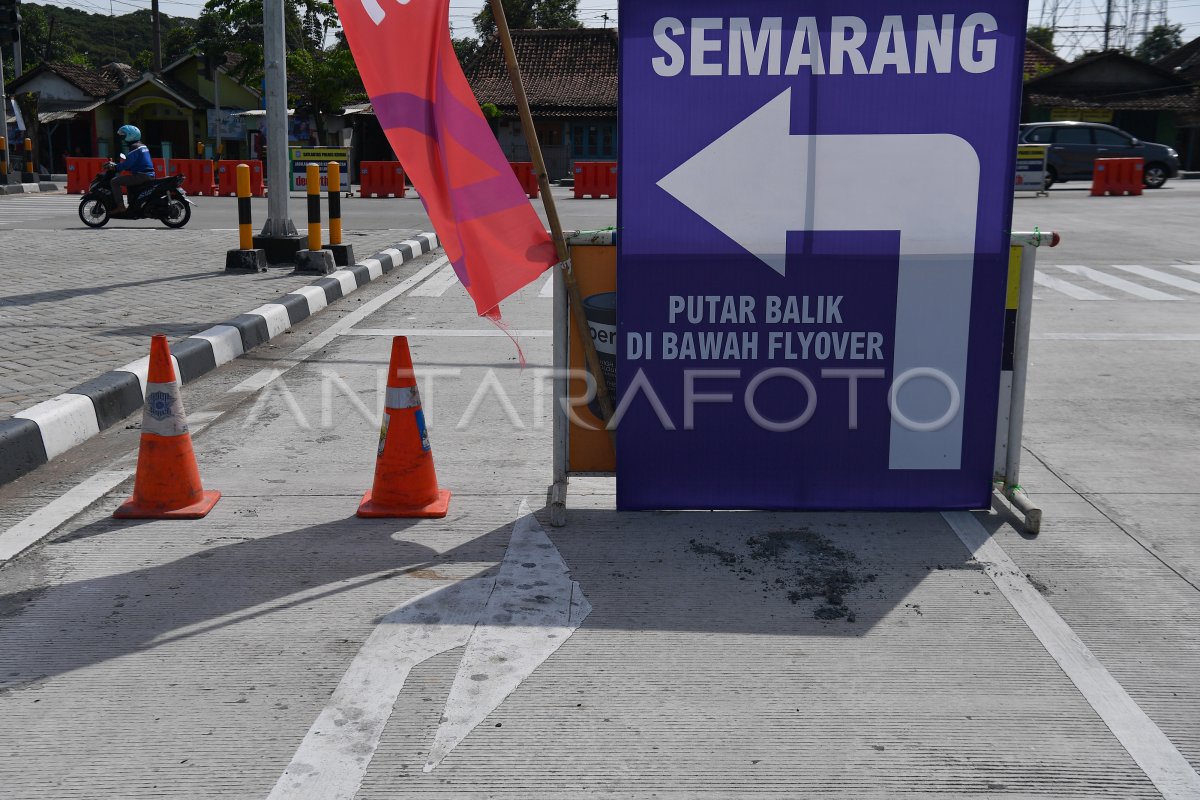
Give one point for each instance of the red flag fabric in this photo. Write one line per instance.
(482, 217)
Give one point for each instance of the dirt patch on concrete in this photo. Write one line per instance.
(804, 565)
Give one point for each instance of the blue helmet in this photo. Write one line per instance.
(130, 133)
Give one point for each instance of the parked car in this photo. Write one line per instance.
(1075, 145)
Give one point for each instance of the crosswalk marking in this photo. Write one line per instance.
(1066, 287)
(1161, 277)
(1195, 270)
(548, 287)
(437, 285)
(1123, 285)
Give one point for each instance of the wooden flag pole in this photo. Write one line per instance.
(560, 242)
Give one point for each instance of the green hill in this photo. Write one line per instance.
(67, 34)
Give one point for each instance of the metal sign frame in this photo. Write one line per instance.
(1010, 421)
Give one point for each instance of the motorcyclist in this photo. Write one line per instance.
(137, 168)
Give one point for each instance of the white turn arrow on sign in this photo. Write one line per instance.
(758, 182)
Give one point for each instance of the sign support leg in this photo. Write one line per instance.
(1012, 472)
(558, 491)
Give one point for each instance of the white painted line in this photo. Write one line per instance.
(1190, 267)
(449, 333)
(65, 421)
(508, 631)
(438, 284)
(276, 316)
(46, 519)
(333, 757)
(1067, 288)
(519, 630)
(1161, 277)
(1135, 289)
(315, 296)
(1149, 747)
(548, 287)
(1117, 337)
(346, 279)
(226, 342)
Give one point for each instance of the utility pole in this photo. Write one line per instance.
(1107, 23)
(278, 237)
(156, 58)
(10, 31)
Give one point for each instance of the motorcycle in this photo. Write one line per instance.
(162, 199)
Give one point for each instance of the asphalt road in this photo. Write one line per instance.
(281, 639)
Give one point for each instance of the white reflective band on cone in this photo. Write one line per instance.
(163, 414)
(407, 397)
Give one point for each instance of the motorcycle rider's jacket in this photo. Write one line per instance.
(138, 162)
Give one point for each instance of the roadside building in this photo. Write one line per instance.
(80, 108)
(571, 81)
(1146, 100)
(177, 107)
(72, 110)
(1184, 62)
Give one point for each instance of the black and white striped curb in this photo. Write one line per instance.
(28, 188)
(47, 430)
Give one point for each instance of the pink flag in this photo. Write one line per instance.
(482, 217)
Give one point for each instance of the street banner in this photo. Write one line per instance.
(417, 88)
(813, 253)
(1031, 168)
(301, 157)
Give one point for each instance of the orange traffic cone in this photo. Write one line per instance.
(167, 485)
(405, 482)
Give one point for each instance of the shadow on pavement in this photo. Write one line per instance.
(54, 295)
(786, 574)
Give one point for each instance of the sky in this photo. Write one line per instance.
(1072, 12)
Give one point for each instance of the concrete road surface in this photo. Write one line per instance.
(282, 647)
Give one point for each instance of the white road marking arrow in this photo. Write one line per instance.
(758, 182)
(510, 625)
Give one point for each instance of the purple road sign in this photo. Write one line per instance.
(813, 250)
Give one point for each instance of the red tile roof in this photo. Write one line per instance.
(1039, 60)
(567, 73)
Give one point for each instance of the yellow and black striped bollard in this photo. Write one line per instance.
(27, 175)
(343, 254)
(246, 257)
(314, 259)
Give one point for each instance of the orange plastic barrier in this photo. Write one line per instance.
(526, 177)
(595, 179)
(80, 172)
(227, 178)
(1117, 176)
(197, 174)
(381, 179)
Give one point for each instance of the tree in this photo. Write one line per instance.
(322, 82)
(143, 61)
(1042, 36)
(1161, 39)
(465, 48)
(178, 43)
(235, 26)
(524, 14)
